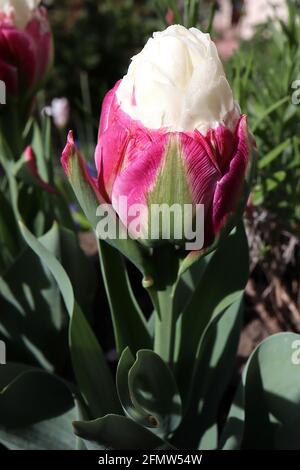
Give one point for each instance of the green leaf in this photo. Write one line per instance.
(268, 398)
(53, 265)
(38, 145)
(272, 394)
(130, 327)
(8, 231)
(115, 432)
(11, 371)
(187, 283)
(273, 154)
(267, 112)
(153, 389)
(79, 267)
(232, 433)
(212, 372)
(224, 279)
(125, 363)
(91, 369)
(32, 318)
(270, 184)
(52, 434)
(148, 391)
(33, 396)
(93, 376)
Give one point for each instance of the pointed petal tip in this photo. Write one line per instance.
(70, 138)
(68, 152)
(28, 153)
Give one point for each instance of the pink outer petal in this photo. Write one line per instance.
(137, 180)
(30, 159)
(106, 114)
(70, 152)
(17, 50)
(112, 140)
(110, 153)
(9, 75)
(203, 175)
(229, 188)
(128, 157)
(121, 140)
(224, 143)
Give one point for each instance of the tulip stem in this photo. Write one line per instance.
(165, 327)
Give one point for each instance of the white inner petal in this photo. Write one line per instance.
(177, 81)
(20, 10)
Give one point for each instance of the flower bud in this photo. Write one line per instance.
(26, 47)
(171, 133)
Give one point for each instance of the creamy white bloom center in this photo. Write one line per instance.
(19, 11)
(178, 82)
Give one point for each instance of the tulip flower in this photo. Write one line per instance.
(171, 133)
(26, 47)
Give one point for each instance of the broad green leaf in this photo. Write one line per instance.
(33, 396)
(232, 434)
(148, 392)
(51, 434)
(268, 398)
(115, 432)
(187, 284)
(212, 371)
(125, 363)
(224, 279)
(53, 265)
(153, 389)
(31, 315)
(11, 371)
(79, 267)
(272, 394)
(90, 367)
(130, 327)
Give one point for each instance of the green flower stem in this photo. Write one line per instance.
(165, 327)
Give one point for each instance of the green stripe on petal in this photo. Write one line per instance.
(171, 192)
